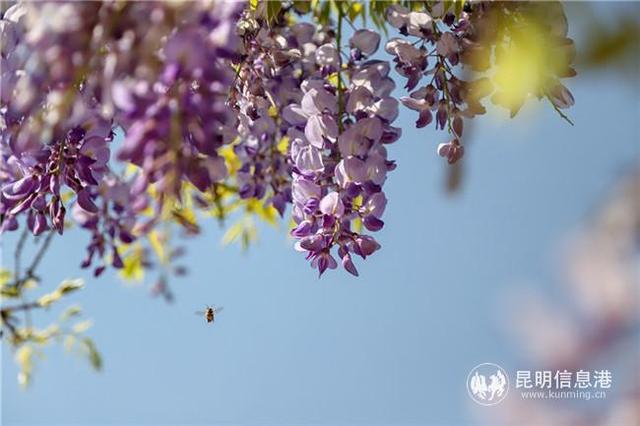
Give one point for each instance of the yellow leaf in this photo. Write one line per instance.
(5, 277)
(82, 326)
(24, 358)
(231, 160)
(357, 225)
(266, 213)
(283, 145)
(233, 233)
(69, 341)
(30, 283)
(186, 218)
(354, 10)
(154, 239)
(67, 286)
(333, 79)
(133, 270)
(71, 311)
(49, 298)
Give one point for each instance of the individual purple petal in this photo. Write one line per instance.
(351, 169)
(452, 151)
(372, 223)
(117, 260)
(386, 109)
(314, 131)
(414, 104)
(347, 263)
(376, 204)
(442, 114)
(324, 261)
(19, 189)
(294, 115)
(217, 168)
(302, 190)
(331, 204)
(366, 41)
(312, 243)
(85, 201)
(327, 55)
(424, 118)
(303, 229)
(365, 246)
(447, 44)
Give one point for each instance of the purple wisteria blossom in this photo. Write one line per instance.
(437, 42)
(223, 104)
(74, 73)
(339, 156)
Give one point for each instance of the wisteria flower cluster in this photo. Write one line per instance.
(436, 41)
(338, 174)
(75, 73)
(128, 114)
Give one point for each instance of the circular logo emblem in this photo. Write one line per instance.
(487, 384)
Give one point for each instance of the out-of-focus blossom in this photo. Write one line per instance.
(73, 72)
(531, 54)
(598, 325)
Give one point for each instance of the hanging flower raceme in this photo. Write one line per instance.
(174, 111)
(339, 174)
(74, 73)
(438, 41)
(446, 99)
(275, 59)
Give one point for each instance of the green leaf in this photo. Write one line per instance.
(9, 292)
(92, 353)
(355, 9)
(82, 326)
(233, 233)
(273, 10)
(66, 287)
(71, 311)
(302, 6)
(24, 358)
(133, 269)
(49, 298)
(323, 12)
(69, 286)
(5, 276)
(69, 342)
(459, 7)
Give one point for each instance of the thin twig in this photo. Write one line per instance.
(22, 307)
(562, 114)
(338, 42)
(38, 257)
(18, 253)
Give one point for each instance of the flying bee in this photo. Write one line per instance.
(210, 313)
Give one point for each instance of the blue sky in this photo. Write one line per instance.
(391, 347)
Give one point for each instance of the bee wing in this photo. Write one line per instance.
(218, 309)
(199, 313)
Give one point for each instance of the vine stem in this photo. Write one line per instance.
(30, 272)
(339, 43)
(562, 114)
(20, 307)
(18, 252)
